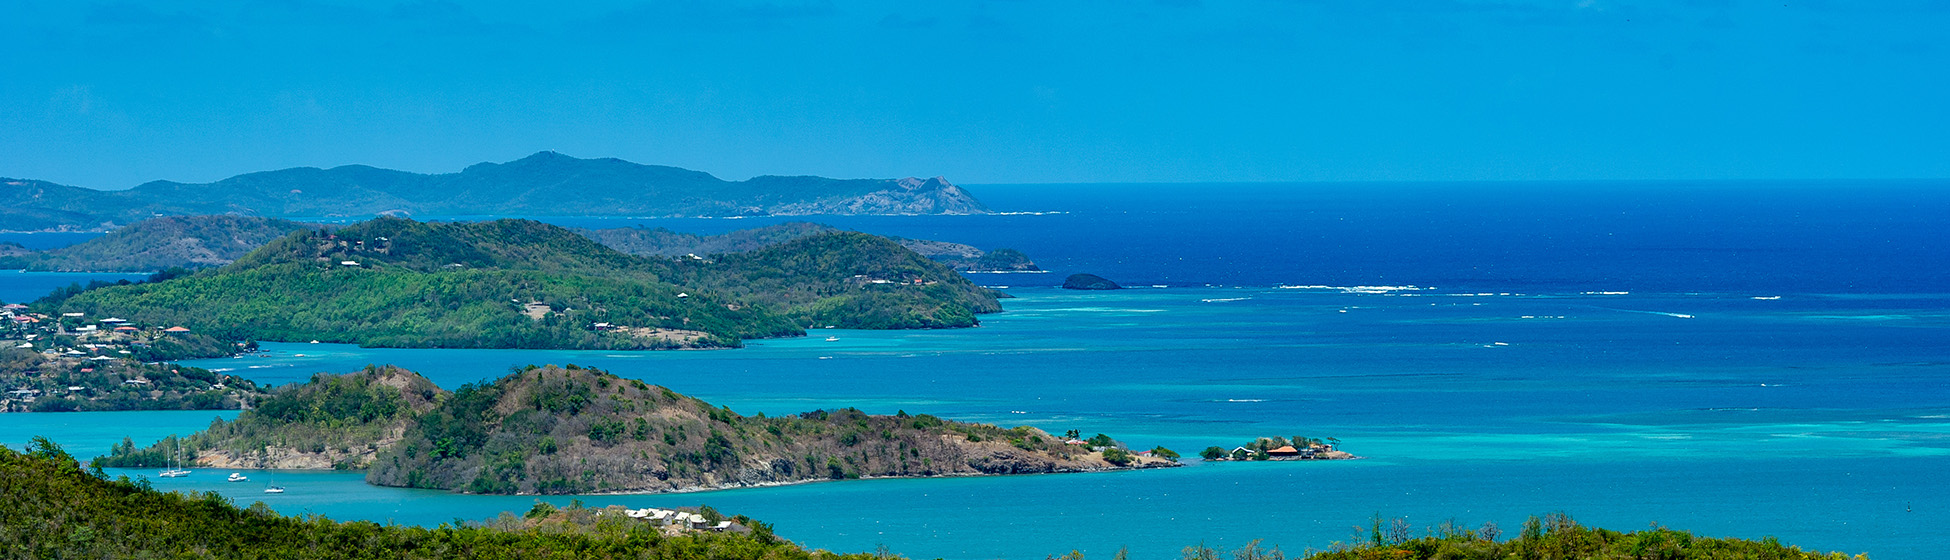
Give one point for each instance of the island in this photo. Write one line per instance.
(1277, 448)
(573, 430)
(543, 184)
(68, 363)
(397, 282)
(1089, 282)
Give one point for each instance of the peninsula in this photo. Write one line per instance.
(524, 284)
(570, 430)
(543, 184)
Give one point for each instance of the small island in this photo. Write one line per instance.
(1089, 282)
(573, 430)
(1277, 448)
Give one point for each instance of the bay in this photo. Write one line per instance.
(1815, 418)
(1737, 359)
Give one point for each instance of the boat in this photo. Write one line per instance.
(175, 469)
(832, 339)
(238, 477)
(274, 490)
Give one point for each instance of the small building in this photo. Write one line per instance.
(348, 263)
(1283, 451)
(176, 330)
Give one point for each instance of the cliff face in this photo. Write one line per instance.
(549, 430)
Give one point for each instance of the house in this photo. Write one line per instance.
(176, 330)
(348, 263)
(137, 382)
(1283, 451)
(114, 320)
(126, 328)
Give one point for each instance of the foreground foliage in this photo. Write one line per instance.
(1551, 537)
(54, 509)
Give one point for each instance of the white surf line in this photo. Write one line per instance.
(1668, 314)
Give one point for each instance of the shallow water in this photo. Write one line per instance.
(1752, 418)
(1779, 364)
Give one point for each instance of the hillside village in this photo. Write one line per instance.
(72, 362)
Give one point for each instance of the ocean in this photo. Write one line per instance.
(1735, 359)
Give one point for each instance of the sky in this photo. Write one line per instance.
(113, 94)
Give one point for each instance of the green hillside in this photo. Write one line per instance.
(524, 284)
(159, 244)
(550, 430)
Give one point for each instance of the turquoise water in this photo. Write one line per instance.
(1820, 419)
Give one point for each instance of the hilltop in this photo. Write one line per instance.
(568, 430)
(663, 242)
(543, 184)
(524, 284)
(158, 244)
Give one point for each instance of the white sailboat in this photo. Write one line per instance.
(176, 469)
(274, 488)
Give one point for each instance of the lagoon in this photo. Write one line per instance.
(1818, 419)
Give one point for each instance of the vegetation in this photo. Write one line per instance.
(543, 184)
(849, 280)
(1554, 536)
(661, 242)
(159, 244)
(54, 509)
(550, 430)
(524, 284)
(62, 382)
(333, 421)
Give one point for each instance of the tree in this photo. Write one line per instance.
(1212, 453)
(1162, 453)
(1117, 456)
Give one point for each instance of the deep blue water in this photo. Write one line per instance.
(22, 287)
(1828, 237)
(1779, 366)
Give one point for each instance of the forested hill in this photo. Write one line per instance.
(543, 184)
(159, 244)
(525, 284)
(553, 430)
(666, 243)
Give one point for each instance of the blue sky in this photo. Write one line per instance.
(109, 95)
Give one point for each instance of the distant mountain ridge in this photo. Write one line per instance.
(543, 184)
